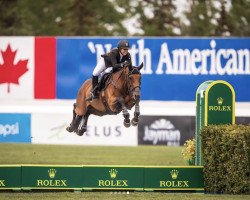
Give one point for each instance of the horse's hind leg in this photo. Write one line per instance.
(82, 128)
(75, 121)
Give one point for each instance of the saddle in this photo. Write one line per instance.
(105, 80)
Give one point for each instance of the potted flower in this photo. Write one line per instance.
(188, 152)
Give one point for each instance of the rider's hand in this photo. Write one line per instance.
(125, 63)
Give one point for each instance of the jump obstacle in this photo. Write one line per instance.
(215, 104)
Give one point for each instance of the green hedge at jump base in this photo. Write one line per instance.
(226, 158)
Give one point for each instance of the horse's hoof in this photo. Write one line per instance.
(134, 122)
(81, 131)
(69, 129)
(126, 124)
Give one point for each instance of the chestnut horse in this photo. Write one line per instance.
(121, 93)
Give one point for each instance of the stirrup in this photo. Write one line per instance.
(89, 98)
(92, 96)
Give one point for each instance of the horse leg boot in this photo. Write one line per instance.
(135, 120)
(83, 124)
(125, 113)
(94, 91)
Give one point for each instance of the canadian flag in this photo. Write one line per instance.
(27, 68)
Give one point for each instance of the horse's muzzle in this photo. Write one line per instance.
(136, 94)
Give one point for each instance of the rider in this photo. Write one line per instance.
(116, 58)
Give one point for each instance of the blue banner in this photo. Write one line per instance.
(15, 128)
(173, 67)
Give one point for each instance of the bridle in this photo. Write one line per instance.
(134, 91)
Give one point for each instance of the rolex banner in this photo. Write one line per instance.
(113, 177)
(51, 177)
(10, 177)
(173, 178)
(215, 104)
(98, 177)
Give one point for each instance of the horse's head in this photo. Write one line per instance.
(135, 81)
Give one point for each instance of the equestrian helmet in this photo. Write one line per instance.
(123, 44)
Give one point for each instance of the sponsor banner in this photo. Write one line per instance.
(15, 128)
(243, 120)
(113, 177)
(106, 130)
(45, 68)
(51, 177)
(16, 67)
(92, 177)
(10, 177)
(215, 104)
(165, 130)
(27, 67)
(173, 66)
(174, 178)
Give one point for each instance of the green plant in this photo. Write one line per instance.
(226, 158)
(188, 152)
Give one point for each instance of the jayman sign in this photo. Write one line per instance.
(173, 67)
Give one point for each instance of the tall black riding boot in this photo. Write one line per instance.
(94, 89)
(94, 85)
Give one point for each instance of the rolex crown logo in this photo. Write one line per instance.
(113, 173)
(220, 100)
(52, 173)
(174, 173)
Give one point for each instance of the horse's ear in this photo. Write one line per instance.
(130, 67)
(141, 66)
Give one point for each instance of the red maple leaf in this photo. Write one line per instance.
(10, 72)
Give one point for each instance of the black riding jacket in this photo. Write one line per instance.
(112, 59)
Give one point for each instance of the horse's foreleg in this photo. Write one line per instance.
(125, 113)
(75, 121)
(135, 120)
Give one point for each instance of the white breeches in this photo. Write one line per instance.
(101, 67)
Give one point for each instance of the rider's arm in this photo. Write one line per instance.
(115, 64)
(114, 61)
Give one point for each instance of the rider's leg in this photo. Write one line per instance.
(94, 87)
(100, 67)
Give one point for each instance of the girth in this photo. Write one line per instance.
(105, 103)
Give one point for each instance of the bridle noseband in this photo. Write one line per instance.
(134, 91)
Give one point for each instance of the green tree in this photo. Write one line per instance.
(162, 21)
(44, 17)
(223, 22)
(28, 17)
(94, 18)
(106, 17)
(200, 17)
(240, 18)
(10, 21)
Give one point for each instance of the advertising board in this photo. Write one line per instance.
(15, 127)
(165, 130)
(106, 130)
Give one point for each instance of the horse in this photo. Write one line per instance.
(121, 92)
